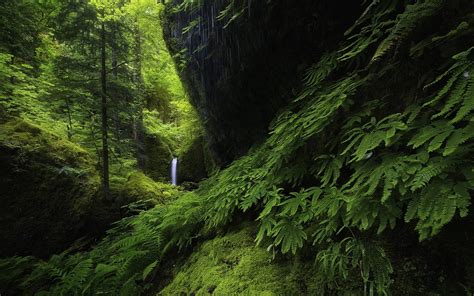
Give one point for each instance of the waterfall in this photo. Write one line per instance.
(174, 175)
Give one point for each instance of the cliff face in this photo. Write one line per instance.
(240, 73)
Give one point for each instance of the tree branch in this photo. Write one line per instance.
(107, 72)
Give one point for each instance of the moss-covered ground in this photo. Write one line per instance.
(233, 265)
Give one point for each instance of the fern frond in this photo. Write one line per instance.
(289, 235)
(459, 137)
(319, 72)
(373, 134)
(437, 131)
(329, 169)
(411, 18)
(437, 205)
(434, 167)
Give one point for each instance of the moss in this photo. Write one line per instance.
(233, 265)
(140, 187)
(21, 134)
(48, 186)
(158, 157)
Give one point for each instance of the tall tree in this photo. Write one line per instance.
(103, 107)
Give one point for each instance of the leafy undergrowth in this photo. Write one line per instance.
(121, 264)
(380, 138)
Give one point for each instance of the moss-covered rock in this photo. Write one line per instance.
(196, 163)
(140, 187)
(233, 265)
(50, 191)
(47, 187)
(157, 157)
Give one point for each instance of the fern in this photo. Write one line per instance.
(437, 205)
(334, 168)
(318, 73)
(438, 131)
(377, 14)
(458, 137)
(289, 235)
(372, 134)
(434, 167)
(459, 89)
(339, 258)
(329, 169)
(413, 16)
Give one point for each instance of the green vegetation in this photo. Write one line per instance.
(232, 265)
(372, 157)
(141, 187)
(48, 87)
(50, 130)
(39, 170)
(50, 187)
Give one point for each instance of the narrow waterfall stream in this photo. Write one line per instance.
(174, 171)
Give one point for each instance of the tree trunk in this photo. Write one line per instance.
(105, 146)
(138, 118)
(69, 125)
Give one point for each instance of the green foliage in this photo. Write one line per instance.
(21, 23)
(123, 263)
(358, 152)
(40, 169)
(384, 180)
(338, 259)
(406, 23)
(231, 12)
(33, 140)
(56, 85)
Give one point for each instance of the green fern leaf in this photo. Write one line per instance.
(468, 102)
(265, 229)
(292, 205)
(289, 235)
(149, 269)
(431, 131)
(412, 17)
(458, 137)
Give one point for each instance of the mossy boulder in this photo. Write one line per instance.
(50, 192)
(141, 187)
(233, 265)
(195, 164)
(47, 188)
(157, 157)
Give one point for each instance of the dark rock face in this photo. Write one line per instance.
(241, 75)
(195, 164)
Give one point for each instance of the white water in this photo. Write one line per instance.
(174, 171)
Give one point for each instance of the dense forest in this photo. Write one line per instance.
(236, 147)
